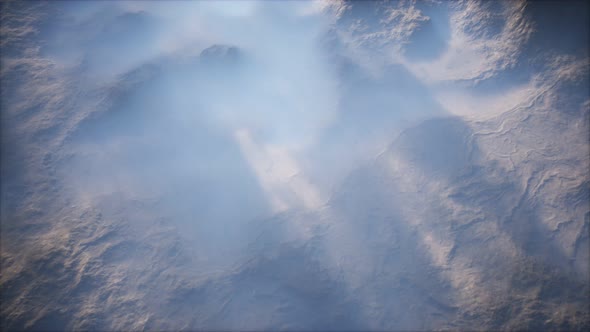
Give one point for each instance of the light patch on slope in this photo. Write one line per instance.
(461, 103)
(288, 188)
(279, 174)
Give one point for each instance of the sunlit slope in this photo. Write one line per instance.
(501, 239)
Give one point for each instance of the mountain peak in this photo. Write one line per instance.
(221, 54)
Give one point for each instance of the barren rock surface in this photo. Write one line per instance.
(155, 178)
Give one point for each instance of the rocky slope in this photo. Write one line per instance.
(108, 221)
